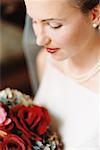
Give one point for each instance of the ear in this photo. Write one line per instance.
(95, 15)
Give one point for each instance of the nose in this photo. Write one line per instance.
(42, 40)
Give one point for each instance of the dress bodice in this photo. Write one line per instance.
(74, 107)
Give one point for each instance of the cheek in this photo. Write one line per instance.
(65, 37)
(71, 36)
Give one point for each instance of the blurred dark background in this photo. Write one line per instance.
(13, 66)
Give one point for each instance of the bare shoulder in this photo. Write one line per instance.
(40, 63)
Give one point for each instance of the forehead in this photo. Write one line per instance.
(42, 9)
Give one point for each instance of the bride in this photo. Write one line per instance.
(69, 67)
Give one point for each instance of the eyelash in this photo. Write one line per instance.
(57, 27)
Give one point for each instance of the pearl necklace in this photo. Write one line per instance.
(86, 76)
(83, 77)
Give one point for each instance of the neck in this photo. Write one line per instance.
(87, 57)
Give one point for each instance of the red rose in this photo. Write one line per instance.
(13, 142)
(32, 121)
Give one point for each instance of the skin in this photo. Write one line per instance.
(78, 42)
(68, 29)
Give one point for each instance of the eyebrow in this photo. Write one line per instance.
(50, 19)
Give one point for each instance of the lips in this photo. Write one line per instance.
(52, 50)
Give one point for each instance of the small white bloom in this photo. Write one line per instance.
(47, 147)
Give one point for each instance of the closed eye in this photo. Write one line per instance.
(54, 26)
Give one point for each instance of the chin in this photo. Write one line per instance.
(59, 58)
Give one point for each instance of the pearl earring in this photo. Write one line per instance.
(94, 25)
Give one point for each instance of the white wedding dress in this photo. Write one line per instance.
(75, 108)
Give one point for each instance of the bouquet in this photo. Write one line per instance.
(24, 125)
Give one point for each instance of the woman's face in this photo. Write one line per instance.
(59, 27)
